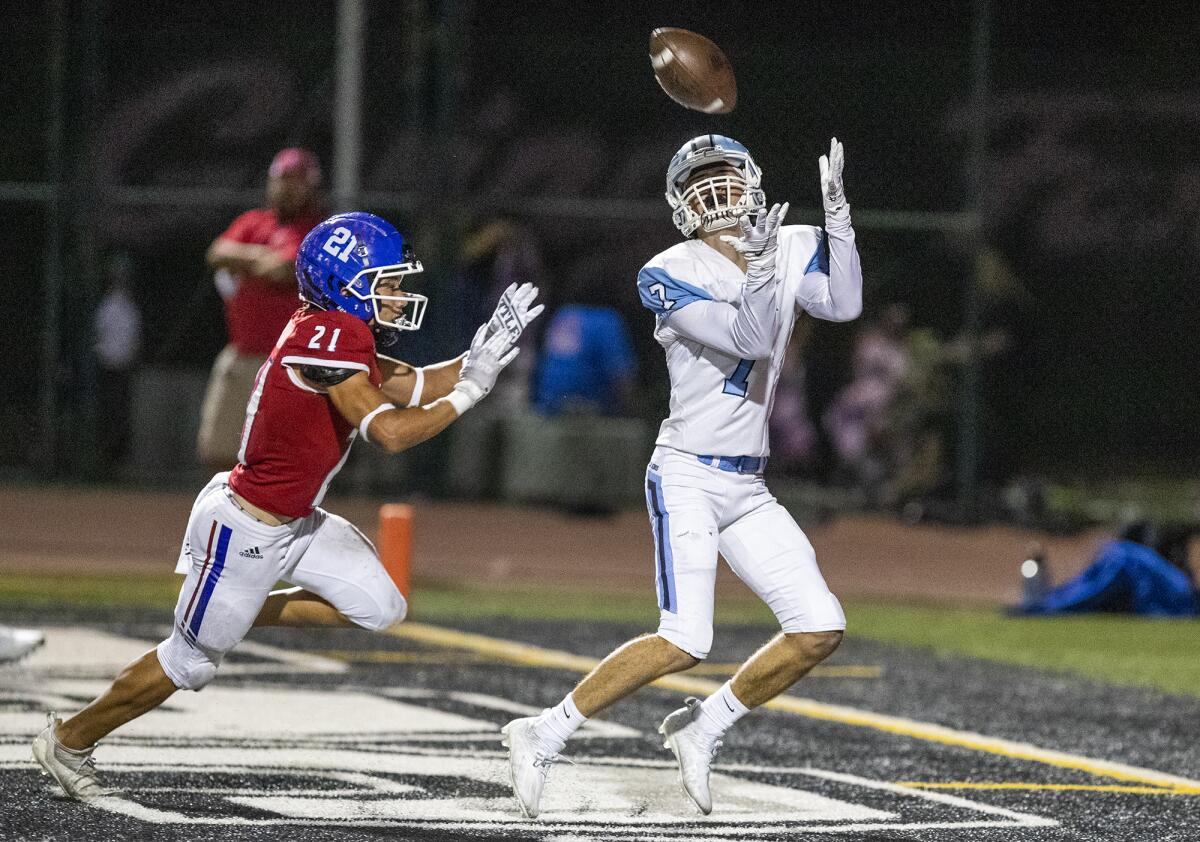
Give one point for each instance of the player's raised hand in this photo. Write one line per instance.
(484, 362)
(760, 240)
(833, 195)
(515, 311)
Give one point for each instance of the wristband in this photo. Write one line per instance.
(461, 397)
(415, 400)
(366, 422)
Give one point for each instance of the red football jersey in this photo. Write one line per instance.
(260, 308)
(294, 440)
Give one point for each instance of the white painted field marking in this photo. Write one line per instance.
(296, 661)
(941, 797)
(90, 653)
(78, 653)
(531, 655)
(256, 713)
(364, 741)
(590, 795)
(591, 728)
(596, 795)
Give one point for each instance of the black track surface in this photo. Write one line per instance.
(1135, 727)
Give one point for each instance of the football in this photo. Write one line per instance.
(693, 70)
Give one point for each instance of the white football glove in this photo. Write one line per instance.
(759, 242)
(484, 362)
(515, 311)
(833, 194)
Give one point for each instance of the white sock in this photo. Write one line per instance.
(557, 724)
(720, 710)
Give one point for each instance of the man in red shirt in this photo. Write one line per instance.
(255, 263)
(327, 381)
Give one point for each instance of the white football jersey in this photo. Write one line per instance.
(720, 404)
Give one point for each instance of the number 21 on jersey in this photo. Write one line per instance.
(738, 382)
(315, 342)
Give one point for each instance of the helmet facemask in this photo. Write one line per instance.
(400, 310)
(731, 191)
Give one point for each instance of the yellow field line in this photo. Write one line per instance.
(386, 656)
(530, 655)
(1136, 790)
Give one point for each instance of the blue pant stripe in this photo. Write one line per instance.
(662, 547)
(213, 577)
(656, 533)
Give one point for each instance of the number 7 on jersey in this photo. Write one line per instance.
(738, 382)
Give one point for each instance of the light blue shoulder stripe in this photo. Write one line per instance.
(820, 259)
(662, 294)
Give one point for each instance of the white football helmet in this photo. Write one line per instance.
(715, 194)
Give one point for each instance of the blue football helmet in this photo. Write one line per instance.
(714, 194)
(344, 259)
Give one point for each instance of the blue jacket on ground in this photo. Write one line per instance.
(1125, 577)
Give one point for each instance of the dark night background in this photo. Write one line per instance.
(1091, 196)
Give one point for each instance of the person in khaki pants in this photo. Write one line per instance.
(254, 261)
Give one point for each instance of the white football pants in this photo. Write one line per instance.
(697, 510)
(233, 560)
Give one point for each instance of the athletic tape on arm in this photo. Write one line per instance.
(366, 422)
(415, 400)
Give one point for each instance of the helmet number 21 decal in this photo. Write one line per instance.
(340, 237)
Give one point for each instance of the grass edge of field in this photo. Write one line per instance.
(1122, 650)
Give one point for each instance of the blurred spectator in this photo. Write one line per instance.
(793, 434)
(498, 252)
(1010, 335)
(495, 252)
(255, 273)
(117, 331)
(587, 364)
(857, 419)
(919, 422)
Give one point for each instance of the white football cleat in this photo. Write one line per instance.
(77, 780)
(693, 750)
(15, 644)
(529, 762)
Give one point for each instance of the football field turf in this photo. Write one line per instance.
(346, 735)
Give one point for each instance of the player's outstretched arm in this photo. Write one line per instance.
(380, 421)
(411, 386)
(395, 429)
(408, 385)
(836, 294)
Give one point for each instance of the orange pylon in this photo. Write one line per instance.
(395, 543)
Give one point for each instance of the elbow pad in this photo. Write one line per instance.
(325, 376)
